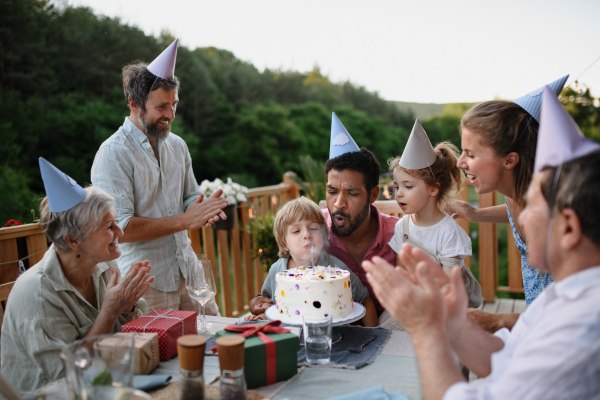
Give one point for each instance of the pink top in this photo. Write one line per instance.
(379, 247)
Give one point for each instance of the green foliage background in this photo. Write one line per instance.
(61, 97)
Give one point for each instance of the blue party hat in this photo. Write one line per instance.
(559, 138)
(532, 102)
(341, 141)
(163, 66)
(62, 191)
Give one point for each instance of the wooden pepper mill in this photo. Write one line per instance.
(190, 349)
(231, 360)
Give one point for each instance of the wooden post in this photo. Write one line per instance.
(464, 195)
(36, 243)
(258, 275)
(488, 251)
(515, 276)
(208, 242)
(9, 252)
(194, 236)
(255, 207)
(236, 260)
(264, 204)
(294, 190)
(224, 272)
(247, 252)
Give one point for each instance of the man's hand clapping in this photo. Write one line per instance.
(421, 296)
(205, 211)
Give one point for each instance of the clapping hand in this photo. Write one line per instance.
(205, 211)
(420, 296)
(121, 296)
(452, 288)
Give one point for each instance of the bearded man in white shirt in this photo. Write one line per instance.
(148, 170)
(553, 351)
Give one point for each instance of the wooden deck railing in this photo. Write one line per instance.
(239, 275)
(26, 242)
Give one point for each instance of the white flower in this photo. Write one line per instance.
(241, 197)
(233, 192)
(228, 190)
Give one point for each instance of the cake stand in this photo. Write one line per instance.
(358, 311)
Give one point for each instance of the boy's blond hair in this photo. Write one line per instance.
(299, 209)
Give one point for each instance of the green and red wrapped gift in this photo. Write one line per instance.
(169, 324)
(271, 352)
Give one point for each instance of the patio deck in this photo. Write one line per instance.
(500, 306)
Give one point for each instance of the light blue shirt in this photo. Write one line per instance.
(125, 167)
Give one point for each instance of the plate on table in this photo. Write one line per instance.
(358, 311)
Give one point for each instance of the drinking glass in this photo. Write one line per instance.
(104, 360)
(201, 288)
(317, 338)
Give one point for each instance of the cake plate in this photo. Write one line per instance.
(358, 311)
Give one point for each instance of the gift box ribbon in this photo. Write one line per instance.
(270, 346)
(165, 315)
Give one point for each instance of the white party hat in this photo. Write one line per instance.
(418, 152)
(62, 191)
(532, 102)
(341, 142)
(163, 66)
(559, 139)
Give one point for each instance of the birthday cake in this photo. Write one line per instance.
(318, 291)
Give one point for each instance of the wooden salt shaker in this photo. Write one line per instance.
(231, 360)
(190, 349)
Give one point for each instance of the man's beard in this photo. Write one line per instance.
(354, 223)
(155, 130)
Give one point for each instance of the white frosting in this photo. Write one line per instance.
(319, 291)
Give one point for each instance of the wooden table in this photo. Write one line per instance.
(395, 368)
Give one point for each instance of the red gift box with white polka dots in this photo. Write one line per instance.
(169, 324)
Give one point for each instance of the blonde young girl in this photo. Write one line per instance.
(422, 194)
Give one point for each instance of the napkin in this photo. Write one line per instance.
(150, 382)
(374, 393)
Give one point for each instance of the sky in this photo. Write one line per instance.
(416, 51)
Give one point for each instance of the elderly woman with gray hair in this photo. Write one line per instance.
(74, 291)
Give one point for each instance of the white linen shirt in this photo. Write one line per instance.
(553, 351)
(44, 313)
(126, 168)
(446, 238)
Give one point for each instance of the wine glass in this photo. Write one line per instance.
(201, 287)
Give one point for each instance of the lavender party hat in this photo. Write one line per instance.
(163, 66)
(559, 139)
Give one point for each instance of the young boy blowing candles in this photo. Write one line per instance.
(300, 227)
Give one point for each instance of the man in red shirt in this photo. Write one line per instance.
(357, 230)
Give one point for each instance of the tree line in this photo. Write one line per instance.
(61, 96)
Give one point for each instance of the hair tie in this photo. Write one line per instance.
(438, 152)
